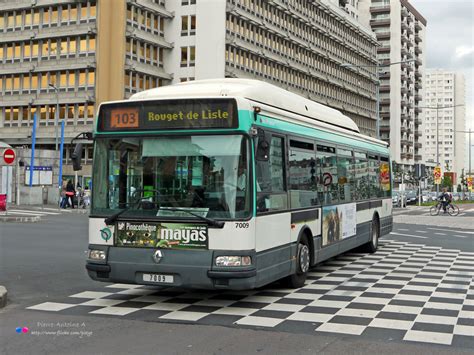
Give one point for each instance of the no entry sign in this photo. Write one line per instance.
(9, 156)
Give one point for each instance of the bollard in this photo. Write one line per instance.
(44, 195)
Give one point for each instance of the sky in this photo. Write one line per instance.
(450, 41)
(450, 44)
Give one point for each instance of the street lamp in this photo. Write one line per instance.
(377, 86)
(56, 116)
(437, 108)
(470, 148)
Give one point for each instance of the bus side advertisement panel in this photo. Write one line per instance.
(339, 222)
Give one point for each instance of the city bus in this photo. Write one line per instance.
(230, 184)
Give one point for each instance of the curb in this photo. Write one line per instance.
(20, 219)
(3, 296)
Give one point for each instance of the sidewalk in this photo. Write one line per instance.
(34, 213)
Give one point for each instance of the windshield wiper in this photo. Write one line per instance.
(111, 220)
(210, 221)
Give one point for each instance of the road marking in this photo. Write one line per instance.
(462, 214)
(450, 230)
(34, 212)
(440, 233)
(459, 236)
(421, 231)
(403, 229)
(409, 235)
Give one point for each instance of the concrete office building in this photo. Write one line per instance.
(75, 54)
(349, 6)
(445, 88)
(297, 45)
(400, 31)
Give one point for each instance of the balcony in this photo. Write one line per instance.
(385, 101)
(403, 90)
(418, 145)
(418, 85)
(418, 61)
(404, 50)
(403, 129)
(404, 25)
(380, 22)
(384, 88)
(418, 26)
(377, 9)
(418, 98)
(384, 75)
(383, 34)
(417, 134)
(383, 49)
(404, 12)
(417, 38)
(417, 121)
(384, 128)
(418, 50)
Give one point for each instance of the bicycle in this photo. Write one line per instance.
(452, 210)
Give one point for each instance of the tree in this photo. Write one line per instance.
(447, 182)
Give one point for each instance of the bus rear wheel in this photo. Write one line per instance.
(371, 246)
(303, 260)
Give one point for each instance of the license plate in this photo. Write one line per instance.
(158, 278)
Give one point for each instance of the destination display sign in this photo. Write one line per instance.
(168, 115)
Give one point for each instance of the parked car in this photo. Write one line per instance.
(411, 196)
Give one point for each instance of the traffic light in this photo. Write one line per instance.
(420, 170)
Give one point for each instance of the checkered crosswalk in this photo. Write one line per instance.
(405, 291)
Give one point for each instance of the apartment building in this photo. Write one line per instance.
(61, 58)
(400, 31)
(445, 121)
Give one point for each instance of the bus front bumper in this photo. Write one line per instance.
(188, 268)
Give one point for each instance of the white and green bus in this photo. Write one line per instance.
(230, 184)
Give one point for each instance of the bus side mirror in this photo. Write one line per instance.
(263, 146)
(76, 157)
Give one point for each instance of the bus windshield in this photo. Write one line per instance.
(159, 176)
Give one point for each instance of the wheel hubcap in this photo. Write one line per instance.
(304, 258)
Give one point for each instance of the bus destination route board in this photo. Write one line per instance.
(168, 115)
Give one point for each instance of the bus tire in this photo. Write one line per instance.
(371, 246)
(303, 260)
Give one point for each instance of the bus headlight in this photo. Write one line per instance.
(97, 254)
(233, 261)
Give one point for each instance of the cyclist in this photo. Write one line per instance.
(445, 198)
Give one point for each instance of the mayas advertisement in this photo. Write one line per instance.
(385, 176)
(339, 222)
(161, 235)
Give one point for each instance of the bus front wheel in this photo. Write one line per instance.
(303, 260)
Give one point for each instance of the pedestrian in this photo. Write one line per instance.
(64, 198)
(70, 192)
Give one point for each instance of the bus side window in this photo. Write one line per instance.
(302, 180)
(271, 189)
(374, 176)
(326, 172)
